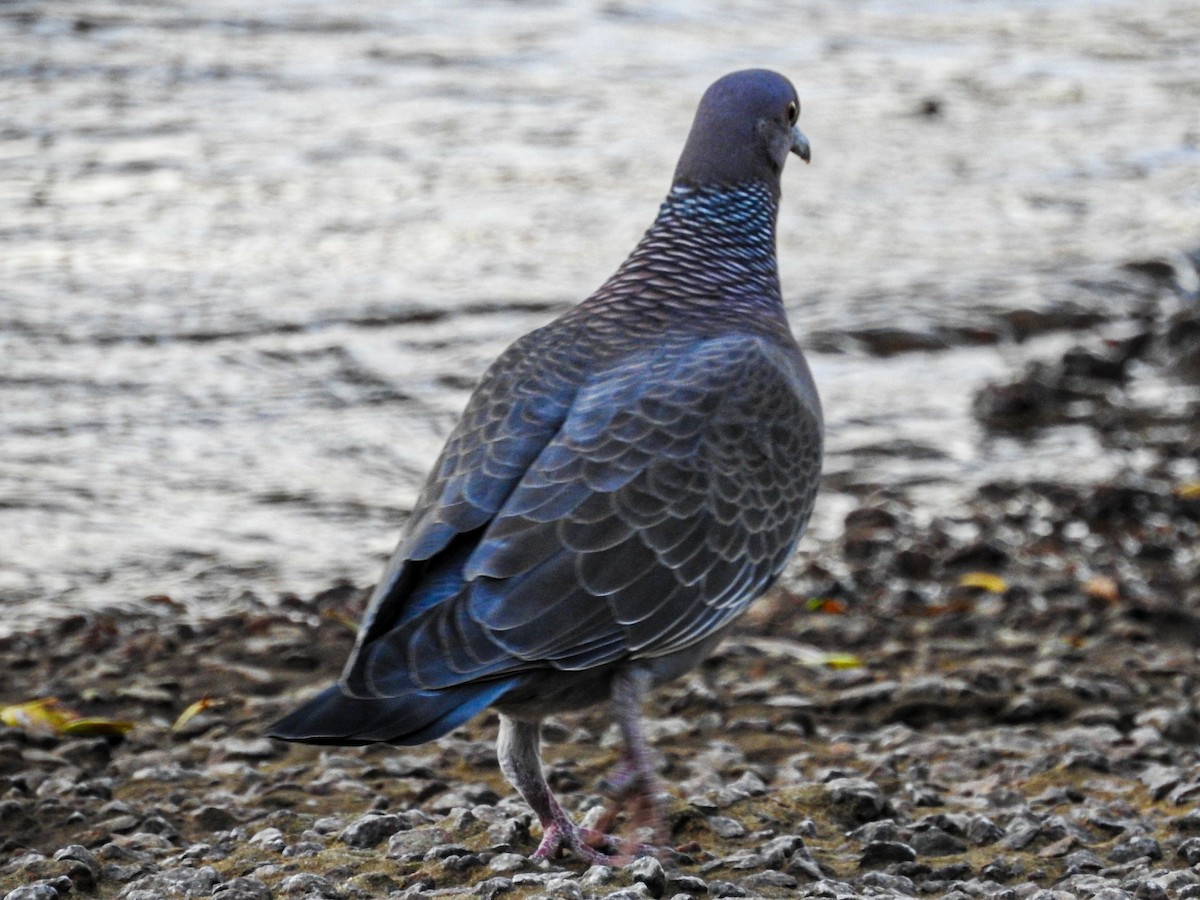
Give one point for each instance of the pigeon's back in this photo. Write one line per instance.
(623, 483)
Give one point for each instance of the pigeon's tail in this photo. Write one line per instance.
(332, 717)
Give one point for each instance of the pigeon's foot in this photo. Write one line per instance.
(633, 785)
(635, 793)
(588, 844)
(633, 788)
(594, 846)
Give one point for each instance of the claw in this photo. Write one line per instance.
(588, 844)
(632, 792)
(594, 846)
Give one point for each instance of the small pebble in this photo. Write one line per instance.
(493, 887)
(33, 892)
(507, 862)
(242, 888)
(308, 884)
(370, 830)
(566, 888)
(649, 871)
(882, 853)
(726, 827)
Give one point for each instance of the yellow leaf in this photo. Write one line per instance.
(192, 711)
(1189, 491)
(985, 581)
(843, 661)
(46, 714)
(96, 727)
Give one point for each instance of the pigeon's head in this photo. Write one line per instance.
(743, 132)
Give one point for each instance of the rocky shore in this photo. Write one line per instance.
(994, 701)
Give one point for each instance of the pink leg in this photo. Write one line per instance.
(521, 762)
(634, 782)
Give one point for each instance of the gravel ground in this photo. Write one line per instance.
(995, 701)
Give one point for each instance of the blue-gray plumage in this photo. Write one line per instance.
(623, 483)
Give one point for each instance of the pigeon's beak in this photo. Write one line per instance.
(800, 145)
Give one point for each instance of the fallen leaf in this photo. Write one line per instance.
(192, 711)
(985, 581)
(46, 715)
(843, 661)
(1188, 491)
(96, 727)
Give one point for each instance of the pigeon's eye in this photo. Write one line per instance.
(793, 112)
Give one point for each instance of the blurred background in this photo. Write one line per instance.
(253, 257)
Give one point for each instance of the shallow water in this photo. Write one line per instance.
(251, 260)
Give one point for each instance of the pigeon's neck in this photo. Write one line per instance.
(711, 249)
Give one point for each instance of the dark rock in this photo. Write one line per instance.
(775, 851)
(982, 831)
(308, 884)
(269, 839)
(727, 889)
(803, 864)
(33, 892)
(174, 883)
(83, 856)
(768, 879)
(213, 818)
(493, 887)
(1134, 848)
(958, 871)
(882, 830)
(1002, 869)
(649, 871)
(726, 827)
(569, 889)
(463, 863)
(242, 888)
(1145, 889)
(303, 848)
(1083, 861)
(885, 341)
(687, 884)
(370, 830)
(443, 851)
(597, 875)
(882, 853)
(160, 826)
(936, 842)
(858, 799)
(900, 885)
(1189, 851)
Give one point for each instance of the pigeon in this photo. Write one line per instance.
(623, 483)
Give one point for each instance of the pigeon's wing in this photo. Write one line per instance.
(518, 407)
(669, 498)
